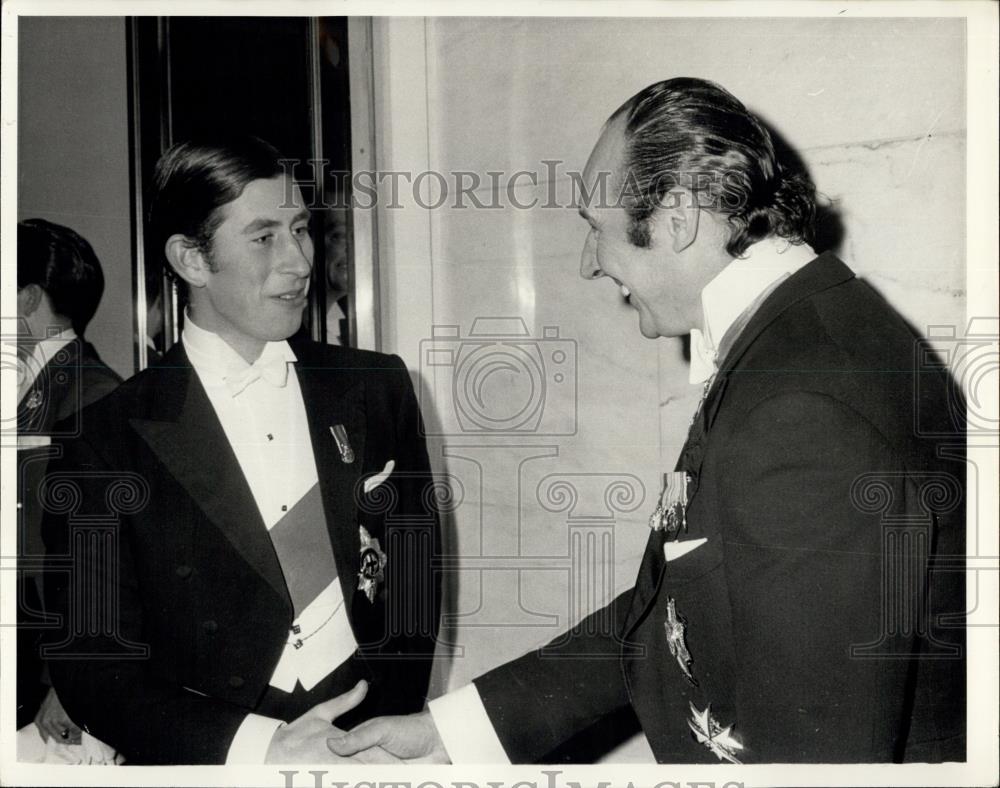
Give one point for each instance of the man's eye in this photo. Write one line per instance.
(300, 231)
(262, 239)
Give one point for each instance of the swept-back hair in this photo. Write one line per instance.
(194, 179)
(695, 134)
(64, 265)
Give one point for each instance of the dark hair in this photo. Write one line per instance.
(64, 265)
(693, 133)
(194, 179)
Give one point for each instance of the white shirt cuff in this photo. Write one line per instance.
(252, 739)
(465, 728)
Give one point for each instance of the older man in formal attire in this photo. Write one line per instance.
(785, 609)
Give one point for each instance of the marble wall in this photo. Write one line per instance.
(556, 423)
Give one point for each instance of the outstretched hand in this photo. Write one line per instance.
(304, 739)
(412, 738)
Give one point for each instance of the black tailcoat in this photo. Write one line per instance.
(824, 611)
(198, 609)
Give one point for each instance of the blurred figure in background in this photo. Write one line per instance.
(59, 287)
(337, 274)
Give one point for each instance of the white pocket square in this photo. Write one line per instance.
(674, 550)
(374, 481)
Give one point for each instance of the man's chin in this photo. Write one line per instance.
(281, 333)
(649, 332)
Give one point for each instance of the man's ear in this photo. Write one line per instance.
(29, 298)
(187, 260)
(678, 215)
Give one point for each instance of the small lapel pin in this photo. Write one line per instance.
(34, 400)
(343, 445)
(373, 562)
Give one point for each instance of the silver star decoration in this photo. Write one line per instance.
(707, 731)
(373, 562)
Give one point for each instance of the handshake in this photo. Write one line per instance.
(312, 738)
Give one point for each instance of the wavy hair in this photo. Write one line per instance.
(695, 134)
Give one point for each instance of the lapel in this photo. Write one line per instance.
(822, 273)
(184, 433)
(335, 395)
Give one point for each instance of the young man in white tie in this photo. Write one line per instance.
(267, 558)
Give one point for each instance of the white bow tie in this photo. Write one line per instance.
(274, 371)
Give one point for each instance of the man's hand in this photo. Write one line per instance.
(53, 721)
(413, 738)
(304, 739)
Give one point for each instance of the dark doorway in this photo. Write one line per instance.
(283, 79)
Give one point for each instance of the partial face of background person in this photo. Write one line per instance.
(251, 285)
(337, 269)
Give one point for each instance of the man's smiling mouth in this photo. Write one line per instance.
(621, 286)
(293, 296)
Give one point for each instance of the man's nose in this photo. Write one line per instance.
(589, 267)
(298, 258)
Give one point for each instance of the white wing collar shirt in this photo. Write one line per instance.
(730, 299)
(261, 410)
(728, 302)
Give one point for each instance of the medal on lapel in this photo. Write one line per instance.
(717, 739)
(670, 514)
(34, 400)
(343, 444)
(675, 627)
(373, 561)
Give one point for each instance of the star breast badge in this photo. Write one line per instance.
(675, 626)
(717, 739)
(373, 561)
